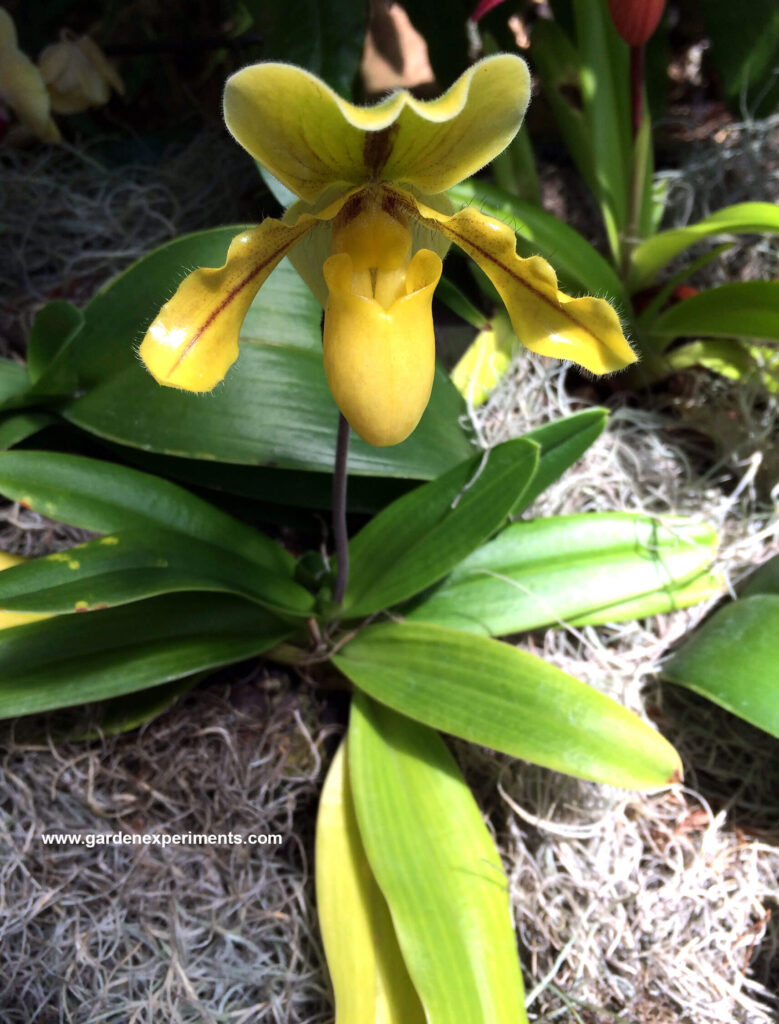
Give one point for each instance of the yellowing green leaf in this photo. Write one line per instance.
(370, 980)
(437, 867)
(507, 699)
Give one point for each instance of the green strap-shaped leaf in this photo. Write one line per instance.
(72, 659)
(562, 442)
(106, 497)
(18, 426)
(269, 487)
(764, 580)
(652, 255)
(652, 197)
(733, 659)
(744, 52)
(420, 537)
(370, 981)
(454, 299)
(128, 566)
(666, 291)
(515, 168)
(53, 328)
(578, 265)
(603, 79)
(501, 697)
(558, 65)
(437, 867)
(741, 309)
(671, 598)
(590, 568)
(14, 380)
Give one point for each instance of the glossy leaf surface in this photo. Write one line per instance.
(54, 326)
(437, 867)
(72, 659)
(743, 218)
(741, 309)
(764, 580)
(370, 980)
(578, 569)
(418, 538)
(13, 379)
(501, 697)
(16, 427)
(732, 660)
(105, 497)
(131, 565)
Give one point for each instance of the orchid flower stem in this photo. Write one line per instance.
(340, 477)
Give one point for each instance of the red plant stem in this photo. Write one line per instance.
(340, 477)
(636, 86)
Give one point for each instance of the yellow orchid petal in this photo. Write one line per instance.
(587, 330)
(193, 340)
(21, 85)
(310, 139)
(380, 353)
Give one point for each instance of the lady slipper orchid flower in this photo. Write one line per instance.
(368, 234)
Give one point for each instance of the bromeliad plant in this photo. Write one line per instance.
(591, 75)
(413, 900)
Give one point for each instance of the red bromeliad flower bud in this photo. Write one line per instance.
(636, 20)
(484, 7)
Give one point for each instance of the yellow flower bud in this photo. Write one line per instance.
(77, 74)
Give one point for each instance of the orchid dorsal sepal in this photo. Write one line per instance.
(313, 139)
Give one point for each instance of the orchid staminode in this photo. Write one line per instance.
(368, 234)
